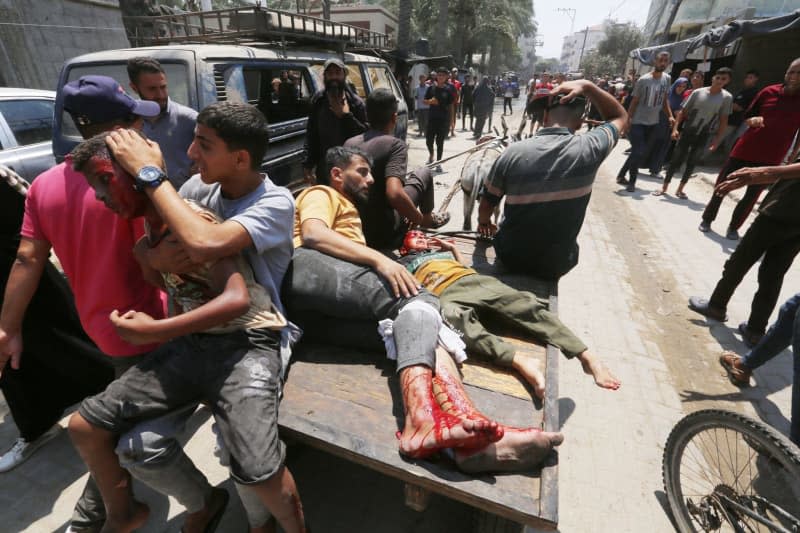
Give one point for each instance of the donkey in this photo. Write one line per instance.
(477, 167)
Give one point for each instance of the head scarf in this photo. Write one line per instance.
(676, 99)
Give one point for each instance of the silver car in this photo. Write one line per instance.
(26, 130)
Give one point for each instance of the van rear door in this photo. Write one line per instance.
(282, 91)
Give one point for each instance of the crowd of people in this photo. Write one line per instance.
(177, 254)
(191, 276)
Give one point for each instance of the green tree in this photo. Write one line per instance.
(619, 41)
(548, 65)
(596, 64)
(489, 28)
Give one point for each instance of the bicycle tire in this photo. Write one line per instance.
(768, 445)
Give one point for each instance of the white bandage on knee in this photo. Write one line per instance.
(448, 339)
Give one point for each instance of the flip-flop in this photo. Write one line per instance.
(681, 195)
(440, 219)
(658, 193)
(740, 378)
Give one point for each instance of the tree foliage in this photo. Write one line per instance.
(489, 28)
(619, 41)
(551, 64)
(596, 64)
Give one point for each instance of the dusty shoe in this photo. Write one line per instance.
(738, 375)
(749, 336)
(704, 226)
(704, 307)
(22, 450)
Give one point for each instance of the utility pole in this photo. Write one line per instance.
(665, 35)
(583, 46)
(570, 12)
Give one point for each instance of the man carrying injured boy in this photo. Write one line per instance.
(467, 297)
(334, 273)
(223, 346)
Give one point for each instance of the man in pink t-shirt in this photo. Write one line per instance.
(61, 213)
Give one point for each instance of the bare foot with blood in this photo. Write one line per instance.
(518, 449)
(428, 428)
(602, 376)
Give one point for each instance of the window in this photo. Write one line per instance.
(353, 78)
(177, 83)
(381, 78)
(281, 93)
(31, 121)
(177, 77)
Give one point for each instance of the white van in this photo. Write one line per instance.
(201, 74)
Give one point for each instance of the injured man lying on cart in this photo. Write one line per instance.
(336, 275)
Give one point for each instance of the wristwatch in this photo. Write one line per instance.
(149, 176)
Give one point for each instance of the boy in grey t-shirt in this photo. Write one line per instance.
(648, 100)
(705, 109)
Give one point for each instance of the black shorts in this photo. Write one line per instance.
(536, 109)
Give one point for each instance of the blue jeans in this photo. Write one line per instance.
(642, 138)
(784, 332)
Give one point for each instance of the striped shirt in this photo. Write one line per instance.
(547, 181)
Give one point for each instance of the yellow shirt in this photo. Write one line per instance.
(332, 208)
(436, 270)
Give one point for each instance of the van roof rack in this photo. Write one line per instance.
(253, 26)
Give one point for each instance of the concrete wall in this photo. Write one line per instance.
(37, 36)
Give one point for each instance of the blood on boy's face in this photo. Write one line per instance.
(114, 187)
(416, 240)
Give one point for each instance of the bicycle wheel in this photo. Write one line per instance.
(726, 472)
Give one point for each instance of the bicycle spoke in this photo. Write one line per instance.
(717, 483)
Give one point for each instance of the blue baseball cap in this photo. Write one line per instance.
(98, 99)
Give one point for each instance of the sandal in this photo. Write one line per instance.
(739, 377)
(439, 219)
(681, 195)
(658, 193)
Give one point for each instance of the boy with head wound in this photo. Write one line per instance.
(467, 297)
(222, 346)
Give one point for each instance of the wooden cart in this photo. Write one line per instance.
(348, 404)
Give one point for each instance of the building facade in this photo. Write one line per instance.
(371, 17)
(580, 43)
